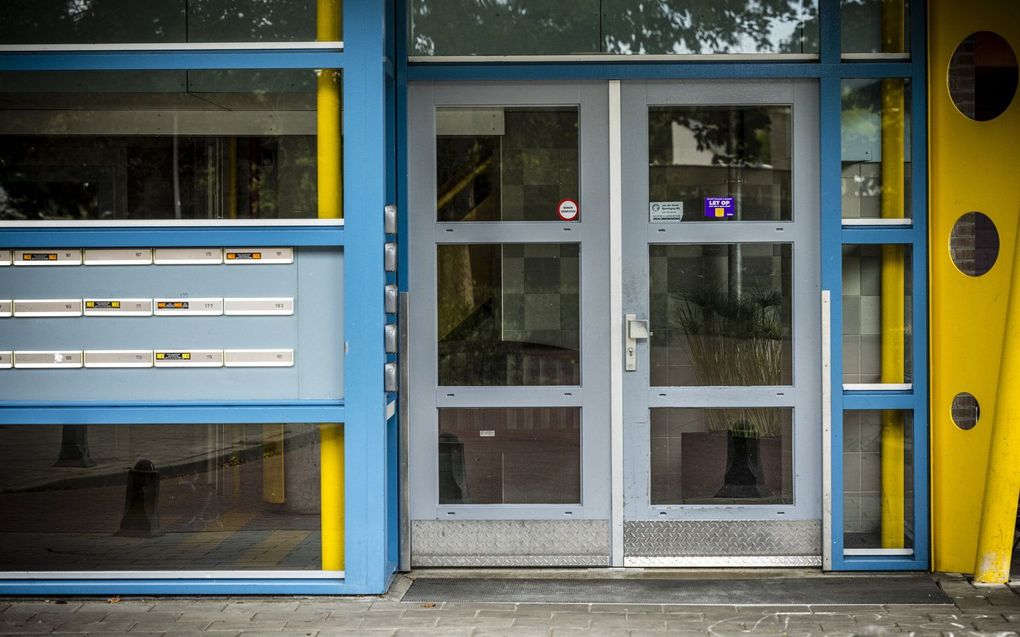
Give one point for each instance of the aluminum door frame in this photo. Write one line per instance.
(509, 535)
(749, 535)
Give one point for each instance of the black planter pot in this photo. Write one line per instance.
(744, 475)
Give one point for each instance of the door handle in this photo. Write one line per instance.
(636, 329)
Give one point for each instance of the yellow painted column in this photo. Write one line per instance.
(1002, 483)
(893, 294)
(330, 198)
(972, 167)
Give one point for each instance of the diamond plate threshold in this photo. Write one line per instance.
(773, 591)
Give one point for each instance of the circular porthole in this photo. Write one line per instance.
(983, 75)
(966, 411)
(974, 244)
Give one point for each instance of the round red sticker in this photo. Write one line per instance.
(568, 210)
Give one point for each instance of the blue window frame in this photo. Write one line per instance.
(366, 59)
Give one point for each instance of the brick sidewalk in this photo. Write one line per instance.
(977, 611)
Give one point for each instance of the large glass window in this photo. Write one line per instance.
(509, 314)
(737, 455)
(188, 145)
(116, 21)
(506, 164)
(520, 455)
(877, 314)
(703, 159)
(875, 26)
(878, 480)
(159, 497)
(721, 314)
(875, 143)
(555, 27)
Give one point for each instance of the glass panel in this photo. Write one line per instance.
(523, 455)
(720, 314)
(877, 314)
(983, 75)
(710, 26)
(875, 26)
(509, 314)
(115, 21)
(505, 164)
(555, 27)
(158, 145)
(878, 480)
(741, 155)
(876, 155)
(159, 497)
(722, 456)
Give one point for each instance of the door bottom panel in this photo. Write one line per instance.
(722, 543)
(501, 543)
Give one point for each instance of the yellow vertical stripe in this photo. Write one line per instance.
(330, 197)
(331, 445)
(893, 292)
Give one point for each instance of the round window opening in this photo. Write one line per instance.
(983, 75)
(965, 411)
(974, 244)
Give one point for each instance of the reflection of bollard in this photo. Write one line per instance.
(74, 447)
(141, 504)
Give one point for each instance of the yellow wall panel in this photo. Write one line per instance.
(973, 166)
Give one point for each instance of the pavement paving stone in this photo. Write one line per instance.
(476, 622)
(514, 631)
(242, 624)
(629, 622)
(346, 632)
(434, 632)
(381, 620)
(627, 608)
(561, 620)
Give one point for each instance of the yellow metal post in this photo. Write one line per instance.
(893, 293)
(1002, 484)
(331, 450)
(330, 198)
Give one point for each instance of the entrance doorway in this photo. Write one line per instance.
(614, 335)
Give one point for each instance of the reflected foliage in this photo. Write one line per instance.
(114, 21)
(551, 27)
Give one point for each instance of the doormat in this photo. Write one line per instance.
(773, 591)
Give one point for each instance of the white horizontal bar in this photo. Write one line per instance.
(171, 223)
(878, 386)
(878, 552)
(107, 575)
(612, 57)
(876, 56)
(865, 221)
(336, 45)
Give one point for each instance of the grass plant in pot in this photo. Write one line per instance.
(736, 340)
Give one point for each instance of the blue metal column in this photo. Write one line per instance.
(370, 490)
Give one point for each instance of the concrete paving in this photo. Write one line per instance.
(976, 611)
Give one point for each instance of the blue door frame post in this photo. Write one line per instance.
(370, 486)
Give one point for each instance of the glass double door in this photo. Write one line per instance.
(614, 331)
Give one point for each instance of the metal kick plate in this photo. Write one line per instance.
(500, 543)
(713, 538)
(118, 256)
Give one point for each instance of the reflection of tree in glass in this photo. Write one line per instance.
(558, 27)
(735, 137)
